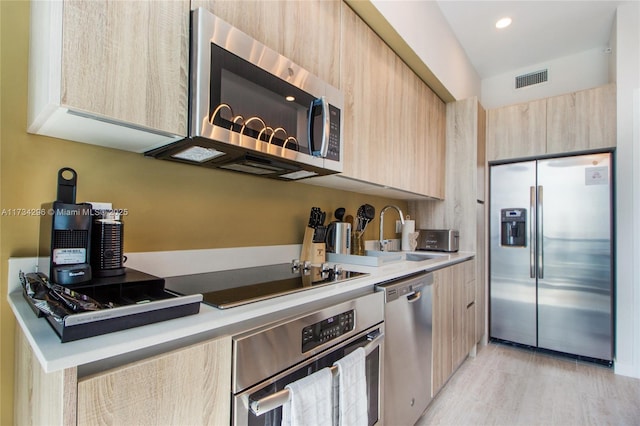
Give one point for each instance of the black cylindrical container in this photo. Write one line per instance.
(107, 233)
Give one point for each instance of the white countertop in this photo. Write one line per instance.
(54, 355)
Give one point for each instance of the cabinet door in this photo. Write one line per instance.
(307, 32)
(470, 327)
(432, 125)
(442, 328)
(582, 120)
(459, 313)
(394, 125)
(41, 398)
(365, 75)
(463, 299)
(470, 303)
(516, 131)
(127, 61)
(187, 386)
(453, 320)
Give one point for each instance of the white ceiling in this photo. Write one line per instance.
(541, 30)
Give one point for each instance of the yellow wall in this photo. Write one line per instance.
(171, 206)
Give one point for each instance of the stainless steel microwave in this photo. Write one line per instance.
(254, 111)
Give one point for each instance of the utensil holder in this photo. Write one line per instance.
(357, 243)
(313, 252)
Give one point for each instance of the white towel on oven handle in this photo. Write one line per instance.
(352, 389)
(310, 400)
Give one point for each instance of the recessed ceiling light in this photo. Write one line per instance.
(290, 98)
(503, 22)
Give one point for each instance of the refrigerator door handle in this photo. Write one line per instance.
(532, 233)
(540, 235)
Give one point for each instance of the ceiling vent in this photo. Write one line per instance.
(532, 78)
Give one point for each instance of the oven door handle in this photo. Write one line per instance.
(278, 399)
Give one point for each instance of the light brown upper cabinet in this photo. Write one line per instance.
(307, 32)
(96, 77)
(582, 120)
(578, 121)
(516, 131)
(394, 127)
(394, 124)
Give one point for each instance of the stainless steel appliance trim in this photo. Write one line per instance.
(275, 400)
(206, 26)
(540, 234)
(326, 127)
(249, 369)
(532, 234)
(408, 325)
(104, 314)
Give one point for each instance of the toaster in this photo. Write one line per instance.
(438, 240)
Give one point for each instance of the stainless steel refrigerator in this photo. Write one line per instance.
(551, 275)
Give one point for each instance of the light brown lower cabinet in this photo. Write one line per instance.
(190, 385)
(454, 326)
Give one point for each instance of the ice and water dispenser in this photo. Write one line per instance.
(513, 225)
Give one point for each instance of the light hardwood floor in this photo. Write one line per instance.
(506, 385)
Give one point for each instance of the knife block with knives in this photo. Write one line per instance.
(313, 245)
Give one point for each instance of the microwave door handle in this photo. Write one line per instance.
(326, 127)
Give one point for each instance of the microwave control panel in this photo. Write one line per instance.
(321, 332)
(333, 153)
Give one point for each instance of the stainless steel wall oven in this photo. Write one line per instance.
(271, 357)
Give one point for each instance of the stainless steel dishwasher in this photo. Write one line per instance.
(408, 348)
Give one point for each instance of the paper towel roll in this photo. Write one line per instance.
(409, 227)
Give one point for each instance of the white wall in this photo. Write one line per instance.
(627, 66)
(423, 26)
(580, 71)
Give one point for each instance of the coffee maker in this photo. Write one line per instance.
(65, 233)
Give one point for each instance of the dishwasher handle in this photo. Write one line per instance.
(414, 297)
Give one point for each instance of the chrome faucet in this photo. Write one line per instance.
(382, 241)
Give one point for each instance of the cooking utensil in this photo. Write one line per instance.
(339, 214)
(359, 218)
(369, 214)
(349, 219)
(366, 213)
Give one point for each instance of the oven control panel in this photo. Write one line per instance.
(321, 332)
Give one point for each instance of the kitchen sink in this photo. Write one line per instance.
(410, 256)
(380, 258)
(419, 257)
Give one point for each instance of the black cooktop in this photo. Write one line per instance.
(227, 289)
